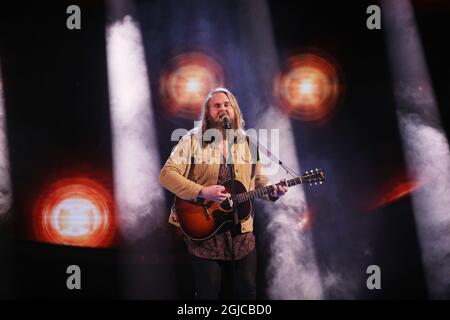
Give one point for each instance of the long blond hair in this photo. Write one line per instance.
(238, 122)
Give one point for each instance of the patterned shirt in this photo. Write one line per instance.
(219, 246)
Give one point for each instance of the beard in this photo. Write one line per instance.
(217, 123)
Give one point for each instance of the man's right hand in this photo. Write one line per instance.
(213, 193)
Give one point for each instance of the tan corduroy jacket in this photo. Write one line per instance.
(175, 172)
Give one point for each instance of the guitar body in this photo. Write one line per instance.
(202, 221)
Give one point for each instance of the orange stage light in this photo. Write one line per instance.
(394, 193)
(396, 188)
(308, 88)
(187, 81)
(77, 212)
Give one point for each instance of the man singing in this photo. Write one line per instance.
(196, 170)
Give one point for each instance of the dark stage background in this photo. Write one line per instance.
(57, 124)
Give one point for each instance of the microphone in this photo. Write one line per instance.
(226, 122)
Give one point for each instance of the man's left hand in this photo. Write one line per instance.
(279, 190)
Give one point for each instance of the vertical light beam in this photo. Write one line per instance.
(293, 261)
(136, 161)
(293, 268)
(5, 181)
(139, 199)
(425, 144)
(6, 268)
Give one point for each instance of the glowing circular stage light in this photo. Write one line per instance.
(187, 81)
(75, 212)
(308, 88)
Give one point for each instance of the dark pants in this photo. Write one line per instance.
(213, 278)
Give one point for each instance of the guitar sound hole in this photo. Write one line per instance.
(225, 206)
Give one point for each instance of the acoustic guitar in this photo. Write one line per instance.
(202, 220)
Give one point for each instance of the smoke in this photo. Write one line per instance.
(292, 272)
(5, 183)
(427, 151)
(292, 266)
(425, 145)
(136, 165)
(6, 268)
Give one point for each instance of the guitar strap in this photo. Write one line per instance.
(191, 169)
(192, 165)
(257, 158)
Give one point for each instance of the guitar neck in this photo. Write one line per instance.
(264, 191)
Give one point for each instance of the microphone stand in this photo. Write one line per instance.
(271, 157)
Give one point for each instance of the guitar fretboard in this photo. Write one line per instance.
(264, 191)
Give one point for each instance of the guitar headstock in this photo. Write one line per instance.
(314, 177)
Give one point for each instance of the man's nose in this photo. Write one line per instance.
(222, 107)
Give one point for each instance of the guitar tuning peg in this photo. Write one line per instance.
(310, 184)
(315, 183)
(320, 182)
(317, 169)
(311, 171)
